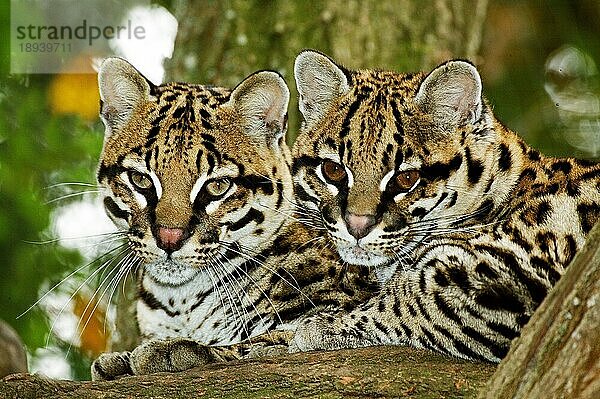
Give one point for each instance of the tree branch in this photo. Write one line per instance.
(383, 372)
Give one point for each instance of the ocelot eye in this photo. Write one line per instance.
(333, 171)
(405, 180)
(218, 187)
(140, 180)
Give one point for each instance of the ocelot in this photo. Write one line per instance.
(198, 179)
(466, 226)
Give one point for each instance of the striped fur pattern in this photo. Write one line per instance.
(198, 177)
(467, 227)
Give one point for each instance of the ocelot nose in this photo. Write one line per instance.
(170, 239)
(359, 225)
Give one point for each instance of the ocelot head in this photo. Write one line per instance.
(387, 159)
(193, 173)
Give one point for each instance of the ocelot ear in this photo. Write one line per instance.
(451, 94)
(122, 89)
(261, 101)
(320, 81)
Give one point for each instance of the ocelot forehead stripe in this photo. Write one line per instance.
(205, 119)
(399, 135)
(153, 133)
(354, 106)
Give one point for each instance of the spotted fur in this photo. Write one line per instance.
(467, 252)
(198, 178)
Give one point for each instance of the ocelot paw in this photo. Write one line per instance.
(112, 365)
(272, 343)
(325, 331)
(153, 356)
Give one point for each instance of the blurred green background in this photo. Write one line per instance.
(538, 61)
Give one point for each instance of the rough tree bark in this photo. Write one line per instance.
(558, 353)
(384, 372)
(221, 42)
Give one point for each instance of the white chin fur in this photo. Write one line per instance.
(384, 269)
(170, 272)
(356, 255)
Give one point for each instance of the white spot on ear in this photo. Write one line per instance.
(386, 179)
(451, 94)
(333, 189)
(197, 187)
(319, 82)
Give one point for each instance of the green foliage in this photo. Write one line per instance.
(37, 149)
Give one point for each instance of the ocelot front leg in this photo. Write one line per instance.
(179, 354)
(456, 302)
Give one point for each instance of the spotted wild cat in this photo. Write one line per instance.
(198, 178)
(466, 226)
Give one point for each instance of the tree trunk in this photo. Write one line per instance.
(13, 358)
(221, 42)
(558, 353)
(382, 372)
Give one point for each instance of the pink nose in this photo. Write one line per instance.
(359, 225)
(169, 239)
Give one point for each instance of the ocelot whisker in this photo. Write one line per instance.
(68, 277)
(249, 277)
(249, 300)
(311, 241)
(232, 303)
(262, 264)
(244, 251)
(213, 282)
(67, 196)
(289, 215)
(56, 240)
(107, 282)
(71, 184)
(128, 266)
(84, 283)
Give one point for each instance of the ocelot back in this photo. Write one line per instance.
(466, 226)
(198, 180)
